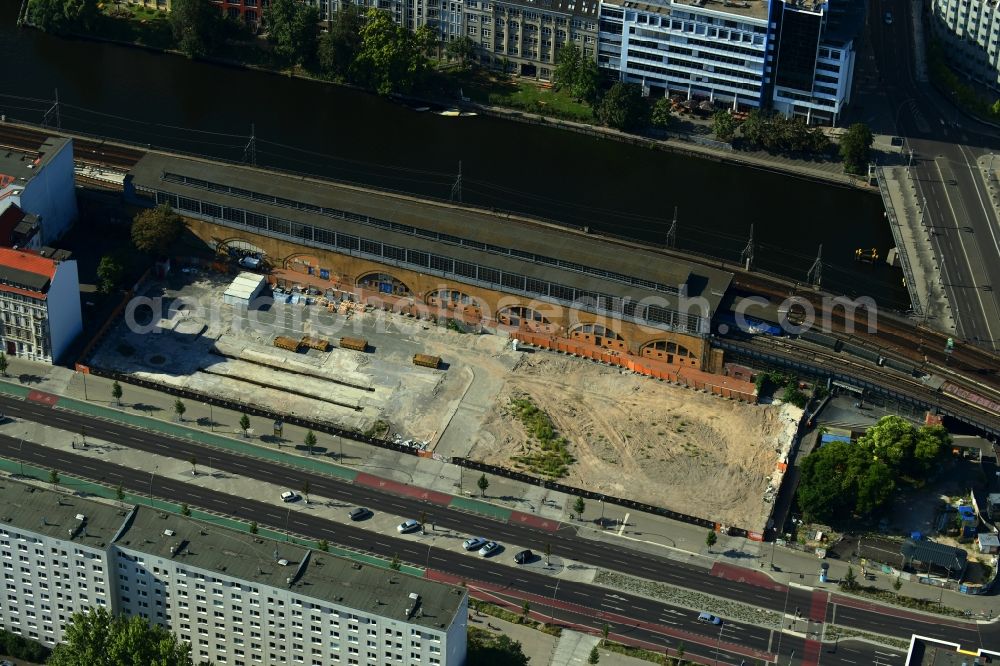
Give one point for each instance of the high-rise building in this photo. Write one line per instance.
(237, 599)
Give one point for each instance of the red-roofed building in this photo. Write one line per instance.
(39, 305)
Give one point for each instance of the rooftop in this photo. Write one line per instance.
(244, 285)
(55, 514)
(25, 270)
(932, 652)
(21, 166)
(520, 234)
(377, 590)
(268, 562)
(844, 22)
(939, 554)
(747, 8)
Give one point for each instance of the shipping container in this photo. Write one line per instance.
(426, 361)
(357, 344)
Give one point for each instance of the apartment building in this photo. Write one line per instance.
(704, 49)
(970, 30)
(40, 313)
(55, 553)
(236, 598)
(41, 183)
(524, 36)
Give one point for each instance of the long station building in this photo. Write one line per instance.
(510, 270)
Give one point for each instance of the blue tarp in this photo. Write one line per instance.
(827, 438)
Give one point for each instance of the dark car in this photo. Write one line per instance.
(360, 513)
(524, 557)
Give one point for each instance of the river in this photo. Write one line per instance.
(171, 102)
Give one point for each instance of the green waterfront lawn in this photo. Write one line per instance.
(486, 87)
(135, 24)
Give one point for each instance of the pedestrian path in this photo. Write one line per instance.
(573, 648)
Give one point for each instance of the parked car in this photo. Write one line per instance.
(360, 513)
(407, 526)
(289, 496)
(708, 618)
(489, 549)
(524, 557)
(474, 543)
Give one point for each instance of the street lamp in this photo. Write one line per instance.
(20, 459)
(552, 613)
(151, 484)
(211, 416)
(718, 644)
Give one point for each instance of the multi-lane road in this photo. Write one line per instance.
(946, 145)
(644, 619)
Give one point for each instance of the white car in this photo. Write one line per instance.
(474, 543)
(489, 549)
(407, 526)
(289, 496)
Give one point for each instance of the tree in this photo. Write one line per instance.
(724, 126)
(324, 545)
(340, 45)
(153, 230)
(483, 484)
(96, 637)
(855, 147)
(578, 506)
(305, 489)
(850, 581)
(594, 657)
(426, 40)
(605, 630)
(423, 522)
(587, 83)
(310, 440)
(4, 364)
(179, 409)
(525, 610)
(622, 107)
(897, 584)
(195, 24)
(109, 273)
(245, 424)
(662, 114)
(253, 527)
(462, 49)
(567, 65)
(116, 392)
(185, 510)
(293, 28)
(389, 60)
(47, 15)
(494, 650)
(710, 539)
(194, 465)
(80, 13)
(53, 477)
(754, 128)
(822, 484)
(395, 564)
(120, 493)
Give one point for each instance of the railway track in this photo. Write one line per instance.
(883, 380)
(96, 152)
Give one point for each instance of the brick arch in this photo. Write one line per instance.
(669, 351)
(306, 263)
(383, 283)
(523, 317)
(241, 245)
(453, 302)
(600, 335)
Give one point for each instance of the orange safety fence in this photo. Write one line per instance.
(726, 387)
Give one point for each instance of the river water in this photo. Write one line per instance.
(171, 102)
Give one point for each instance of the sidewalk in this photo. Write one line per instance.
(505, 499)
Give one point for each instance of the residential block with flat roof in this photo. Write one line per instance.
(238, 599)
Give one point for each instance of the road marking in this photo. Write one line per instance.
(624, 523)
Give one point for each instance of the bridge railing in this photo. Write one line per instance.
(904, 259)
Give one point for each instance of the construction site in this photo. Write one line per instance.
(325, 356)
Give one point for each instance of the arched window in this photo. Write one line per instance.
(384, 284)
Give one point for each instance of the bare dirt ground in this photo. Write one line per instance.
(646, 440)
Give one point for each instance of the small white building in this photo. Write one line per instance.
(989, 543)
(245, 288)
(41, 184)
(40, 313)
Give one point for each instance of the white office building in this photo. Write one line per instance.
(236, 598)
(970, 30)
(40, 313)
(702, 49)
